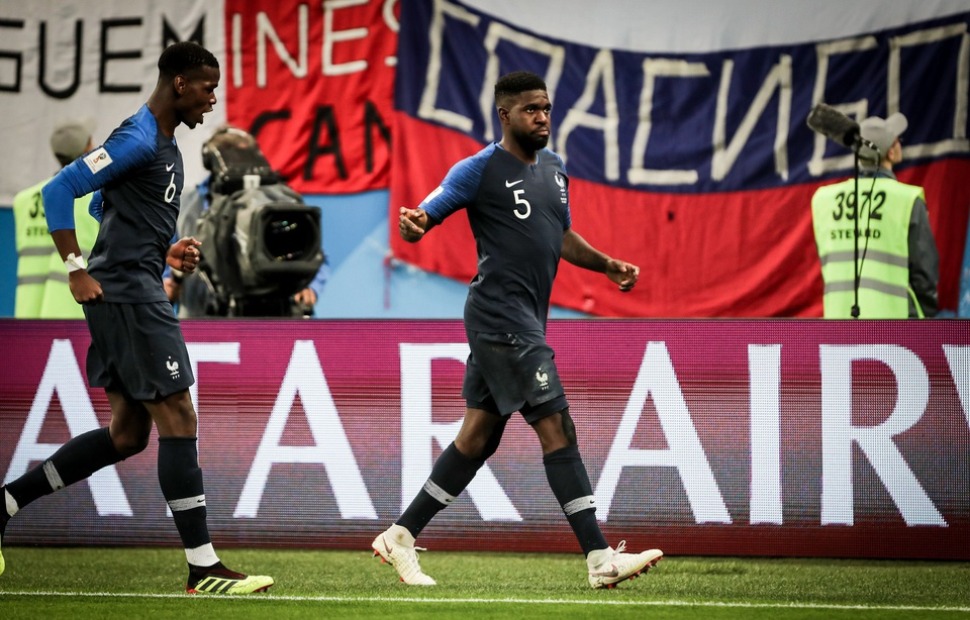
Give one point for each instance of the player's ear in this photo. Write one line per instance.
(503, 114)
(180, 84)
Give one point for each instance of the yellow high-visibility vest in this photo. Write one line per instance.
(58, 301)
(34, 247)
(886, 208)
(42, 285)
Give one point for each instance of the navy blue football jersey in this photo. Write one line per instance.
(518, 214)
(139, 173)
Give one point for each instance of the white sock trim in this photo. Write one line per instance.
(438, 493)
(10, 503)
(202, 556)
(579, 504)
(187, 503)
(53, 478)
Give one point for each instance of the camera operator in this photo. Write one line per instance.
(898, 273)
(195, 294)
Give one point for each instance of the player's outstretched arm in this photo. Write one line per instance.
(579, 252)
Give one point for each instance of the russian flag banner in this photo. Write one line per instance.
(698, 166)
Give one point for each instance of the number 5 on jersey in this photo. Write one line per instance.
(520, 200)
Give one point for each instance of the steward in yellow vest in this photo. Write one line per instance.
(896, 251)
(34, 247)
(42, 285)
(58, 302)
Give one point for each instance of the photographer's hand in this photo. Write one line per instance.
(306, 298)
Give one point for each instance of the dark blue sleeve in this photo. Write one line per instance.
(126, 149)
(458, 189)
(319, 280)
(96, 206)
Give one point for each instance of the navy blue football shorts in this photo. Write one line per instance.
(506, 373)
(137, 350)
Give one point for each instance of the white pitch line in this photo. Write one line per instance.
(408, 599)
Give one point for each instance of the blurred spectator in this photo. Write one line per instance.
(42, 285)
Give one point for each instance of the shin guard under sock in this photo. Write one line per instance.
(452, 472)
(570, 483)
(75, 460)
(181, 480)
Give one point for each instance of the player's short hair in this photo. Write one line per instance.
(512, 84)
(180, 58)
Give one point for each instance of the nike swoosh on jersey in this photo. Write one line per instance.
(513, 183)
(169, 167)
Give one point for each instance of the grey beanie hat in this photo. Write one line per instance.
(882, 133)
(70, 138)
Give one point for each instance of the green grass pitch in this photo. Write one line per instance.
(148, 583)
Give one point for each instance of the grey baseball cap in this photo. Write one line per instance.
(882, 133)
(70, 137)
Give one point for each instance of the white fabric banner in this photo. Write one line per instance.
(91, 59)
(697, 26)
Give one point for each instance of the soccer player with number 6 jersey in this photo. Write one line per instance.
(137, 353)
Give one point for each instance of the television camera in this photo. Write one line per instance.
(261, 243)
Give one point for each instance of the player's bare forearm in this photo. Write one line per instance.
(579, 252)
(84, 288)
(65, 241)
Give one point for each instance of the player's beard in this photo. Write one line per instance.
(531, 142)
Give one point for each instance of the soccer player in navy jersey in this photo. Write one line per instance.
(516, 195)
(137, 352)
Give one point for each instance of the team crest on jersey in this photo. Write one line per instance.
(561, 182)
(542, 379)
(173, 368)
(97, 160)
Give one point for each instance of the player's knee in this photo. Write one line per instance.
(472, 447)
(492, 444)
(130, 443)
(176, 416)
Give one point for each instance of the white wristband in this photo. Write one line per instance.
(75, 263)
